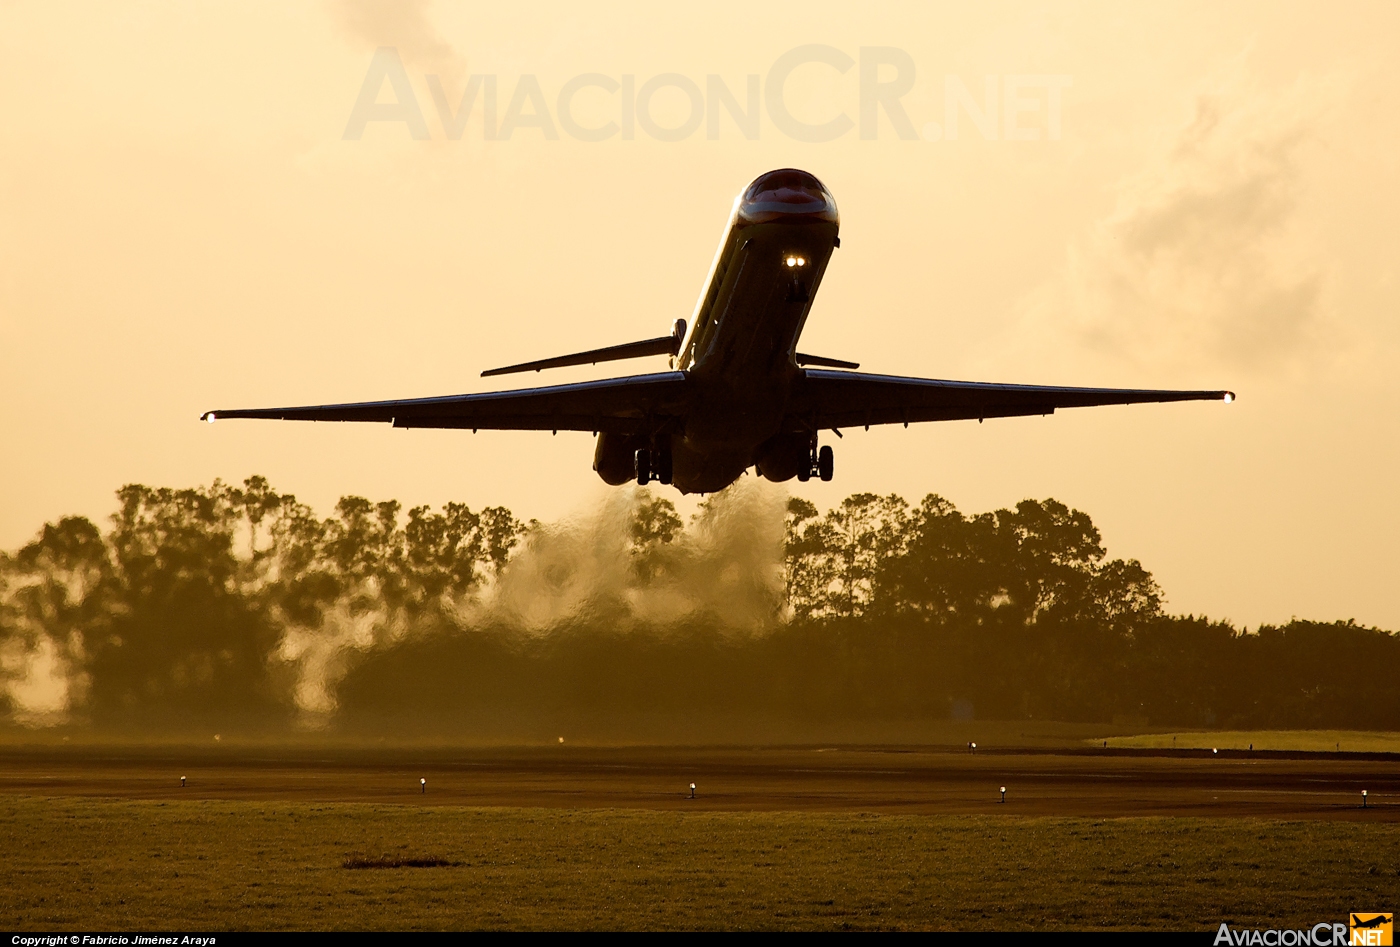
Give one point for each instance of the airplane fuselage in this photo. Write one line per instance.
(740, 347)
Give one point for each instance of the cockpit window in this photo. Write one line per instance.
(786, 187)
(786, 192)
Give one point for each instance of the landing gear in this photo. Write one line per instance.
(819, 462)
(653, 465)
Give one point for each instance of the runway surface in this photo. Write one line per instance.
(951, 780)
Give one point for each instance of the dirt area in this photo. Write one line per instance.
(927, 780)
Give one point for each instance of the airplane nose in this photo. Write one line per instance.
(787, 195)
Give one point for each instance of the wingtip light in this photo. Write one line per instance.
(1229, 396)
(209, 416)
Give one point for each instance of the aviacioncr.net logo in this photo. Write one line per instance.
(1370, 930)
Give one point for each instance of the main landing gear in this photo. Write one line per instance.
(821, 462)
(653, 465)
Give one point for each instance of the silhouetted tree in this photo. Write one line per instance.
(199, 608)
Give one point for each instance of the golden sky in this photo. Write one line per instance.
(186, 226)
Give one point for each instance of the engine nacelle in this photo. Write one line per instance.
(615, 458)
(785, 456)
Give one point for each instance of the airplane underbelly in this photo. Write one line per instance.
(735, 417)
(707, 470)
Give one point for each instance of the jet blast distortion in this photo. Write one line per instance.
(738, 394)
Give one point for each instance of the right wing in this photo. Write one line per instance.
(826, 399)
(631, 405)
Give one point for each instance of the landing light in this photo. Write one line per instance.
(792, 261)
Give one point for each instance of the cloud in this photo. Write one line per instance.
(38, 680)
(321, 657)
(728, 565)
(586, 576)
(404, 25)
(1204, 259)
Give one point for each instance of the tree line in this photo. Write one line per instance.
(239, 607)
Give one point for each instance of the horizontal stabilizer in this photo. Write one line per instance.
(665, 345)
(822, 360)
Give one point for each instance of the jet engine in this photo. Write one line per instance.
(615, 458)
(786, 456)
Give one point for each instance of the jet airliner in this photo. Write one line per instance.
(738, 394)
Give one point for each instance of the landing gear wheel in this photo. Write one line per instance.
(643, 467)
(663, 466)
(804, 472)
(825, 463)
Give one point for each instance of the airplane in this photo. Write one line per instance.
(738, 394)
(1375, 921)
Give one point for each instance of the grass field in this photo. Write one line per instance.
(1317, 741)
(215, 865)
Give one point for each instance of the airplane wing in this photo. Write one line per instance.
(620, 405)
(831, 399)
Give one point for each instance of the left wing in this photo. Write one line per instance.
(826, 399)
(621, 405)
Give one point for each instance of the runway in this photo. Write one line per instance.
(916, 780)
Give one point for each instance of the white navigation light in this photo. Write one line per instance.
(1229, 396)
(209, 417)
(792, 261)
